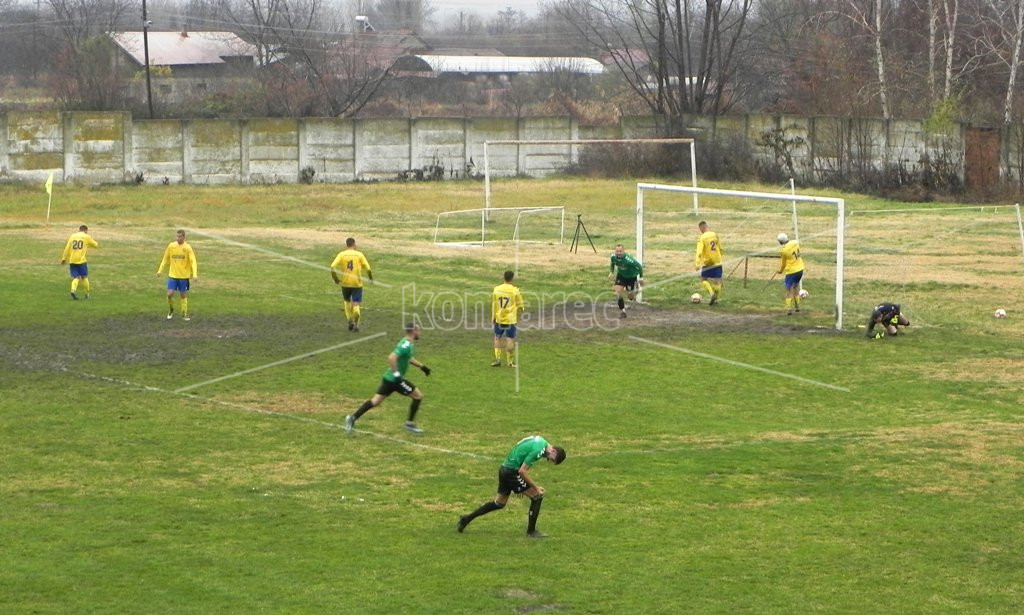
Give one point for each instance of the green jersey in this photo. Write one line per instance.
(404, 351)
(528, 451)
(627, 266)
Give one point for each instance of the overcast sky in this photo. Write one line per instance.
(484, 8)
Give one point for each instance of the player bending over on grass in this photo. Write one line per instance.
(709, 261)
(351, 264)
(514, 477)
(506, 303)
(394, 380)
(74, 255)
(793, 266)
(180, 261)
(628, 273)
(889, 316)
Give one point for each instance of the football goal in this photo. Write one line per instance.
(748, 223)
(478, 227)
(547, 155)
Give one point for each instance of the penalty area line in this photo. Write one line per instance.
(276, 363)
(739, 364)
(304, 419)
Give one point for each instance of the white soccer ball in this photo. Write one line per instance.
(695, 298)
(1000, 313)
(804, 294)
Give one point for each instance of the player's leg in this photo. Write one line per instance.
(510, 345)
(619, 288)
(184, 303)
(536, 499)
(708, 288)
(357, 302)
(416, 396)
(386, 388)
(172, 287)
(499, 333)
(86, 286)
(497, 503)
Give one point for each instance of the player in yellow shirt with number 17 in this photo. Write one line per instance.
(506, 303)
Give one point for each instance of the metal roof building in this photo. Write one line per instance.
(496, 65)
(185, 48)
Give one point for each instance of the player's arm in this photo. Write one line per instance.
(165, 261)
(423, 368)
(334, 268)
(524, 471)
(782, 264)
(366, 266)
(92, 242)
(393, 364)
(520, 304)
(194, 262)
(639, 270)
(698, 260)
(66, 254)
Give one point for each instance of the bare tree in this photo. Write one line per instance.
(1001, 36)
(413, 15)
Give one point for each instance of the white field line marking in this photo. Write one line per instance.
(307, 300)
(285, 415)
(737, 363)
(279, 255)
(276, 363)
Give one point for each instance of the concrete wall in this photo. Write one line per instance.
(113, 147)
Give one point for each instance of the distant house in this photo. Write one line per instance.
(199, 63)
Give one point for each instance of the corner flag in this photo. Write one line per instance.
(49, 184)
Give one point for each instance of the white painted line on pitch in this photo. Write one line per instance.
(737, 363)
(277, 254)
(276, 363)
(317, 301)
(285, 415)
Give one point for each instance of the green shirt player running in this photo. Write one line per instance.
(514, 477)
(394, 380)
(628, 273)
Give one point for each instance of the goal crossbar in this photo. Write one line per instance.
(840, 230)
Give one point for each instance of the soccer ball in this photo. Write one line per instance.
(695, 298)
(804, 294)
(1000, 313)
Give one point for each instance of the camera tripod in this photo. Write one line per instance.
(575, 245)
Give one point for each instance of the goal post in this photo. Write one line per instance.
(838, 230)
(480, 226)
(580, 142)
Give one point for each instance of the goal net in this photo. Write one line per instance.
(945, 265)
(478, 227)
(748, 224)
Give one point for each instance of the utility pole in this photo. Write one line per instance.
(145, 45)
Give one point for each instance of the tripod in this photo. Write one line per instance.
(575, 245)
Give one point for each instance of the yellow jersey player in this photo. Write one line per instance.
(709, 261)
(74, 255)
(351, 265)
(506, 303)
(793, 266)
(182, 268)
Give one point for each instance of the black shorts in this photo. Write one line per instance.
(403, 386)
(628, 283)
(885, 312)
(352, 293)
(510, 481)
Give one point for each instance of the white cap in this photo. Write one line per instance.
(783, 238)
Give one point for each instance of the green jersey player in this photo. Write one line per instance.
(514, 477)
(628, 274)
(394, 380)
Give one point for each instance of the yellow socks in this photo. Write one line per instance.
(510, 356)
(184, 306)
(707, 287)
(74, 284)
(85, 285)
(356, 312)
(170, 303)
(718, 289)
(497, 353)
(348, 310)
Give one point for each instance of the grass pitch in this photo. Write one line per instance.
(719, 459)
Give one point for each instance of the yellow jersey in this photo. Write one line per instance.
(709, 250)
(791, 261)
(506, 303)
(351, 264)
(180, 261)
(78, 244)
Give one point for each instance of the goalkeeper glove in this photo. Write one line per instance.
(425, 369)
